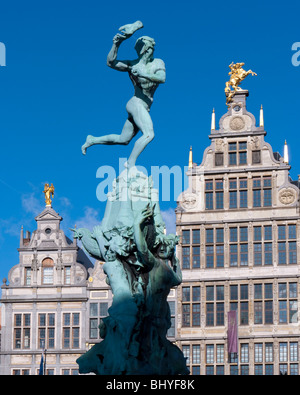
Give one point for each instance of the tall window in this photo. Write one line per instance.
(263, 303)
(196, 248)
(186, 237)
(239, 301)
(258, 359)
(210, 353)
(257, 245)
(262, 191)
(288, 355)
(214, 247)
(256, 192)
(215, 305)
(28, 276)
(191, 249)
(238, 246)
(195, 359)
(288, 303)
(97, 312)
(171, 330)
(243, 192)
(210, 248)
(268, 303)
(192, 355)
(233, 193)
(186, 353)
(46, 331)
(47, 271)
(219, 194)
(191, 311)
(243, 246)
(67, 274)
(185, 257)
(237, 153)
(244, 347)
(214, 194)
(267, 191)
(244, 304)
(263, 359)
(262, 245)
(258, 304)
(287, 245)
(243, 153)
(209, 195)
(185, 249)
(71, 330)
(268, 245)
(234, 297)
(22, 330)
(232, 148)
(269, 359)
(244, 353)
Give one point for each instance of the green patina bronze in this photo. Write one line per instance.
(140, 260)
(146, 73)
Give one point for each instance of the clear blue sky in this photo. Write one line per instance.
(56, 89)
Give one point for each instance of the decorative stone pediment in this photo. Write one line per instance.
(48, 214)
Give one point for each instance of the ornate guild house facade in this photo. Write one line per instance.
(44, 302)
(52, 303)
(239, 227)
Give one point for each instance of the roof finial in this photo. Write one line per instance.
(191, 158)
(22, 236)
(213, 120)
(286, 153)
(261, 118)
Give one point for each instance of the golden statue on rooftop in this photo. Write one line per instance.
(49, 194)
(237, 75)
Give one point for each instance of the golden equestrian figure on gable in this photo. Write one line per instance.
(237, 75)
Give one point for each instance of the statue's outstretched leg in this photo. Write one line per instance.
(128, 132)
(143, 122)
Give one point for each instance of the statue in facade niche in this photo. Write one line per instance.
(146, 73)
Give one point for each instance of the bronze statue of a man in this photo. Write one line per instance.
(146, 73)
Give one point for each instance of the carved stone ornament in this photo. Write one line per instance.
(287, 196)
(255, 143)
(219, 145)
(189, 201)
(237, 123)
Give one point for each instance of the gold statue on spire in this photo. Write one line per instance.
(237, 75)
(49, 194)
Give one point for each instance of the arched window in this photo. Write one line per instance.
(47, 271)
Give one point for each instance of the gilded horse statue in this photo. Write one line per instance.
(237, 75)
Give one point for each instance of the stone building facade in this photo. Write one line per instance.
(239, 225)
(44, 302)
(54, 299)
